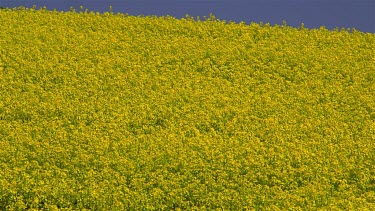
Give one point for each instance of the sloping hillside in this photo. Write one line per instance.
(116, 112)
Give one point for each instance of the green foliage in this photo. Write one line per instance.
(116, 112)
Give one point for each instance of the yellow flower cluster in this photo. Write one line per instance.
(116, 112)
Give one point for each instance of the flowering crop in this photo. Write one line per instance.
(116, 112)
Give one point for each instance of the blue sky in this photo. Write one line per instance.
(358, 14)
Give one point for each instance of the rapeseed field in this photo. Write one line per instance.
(104, 111)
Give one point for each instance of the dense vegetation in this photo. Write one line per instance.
(113, 112)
